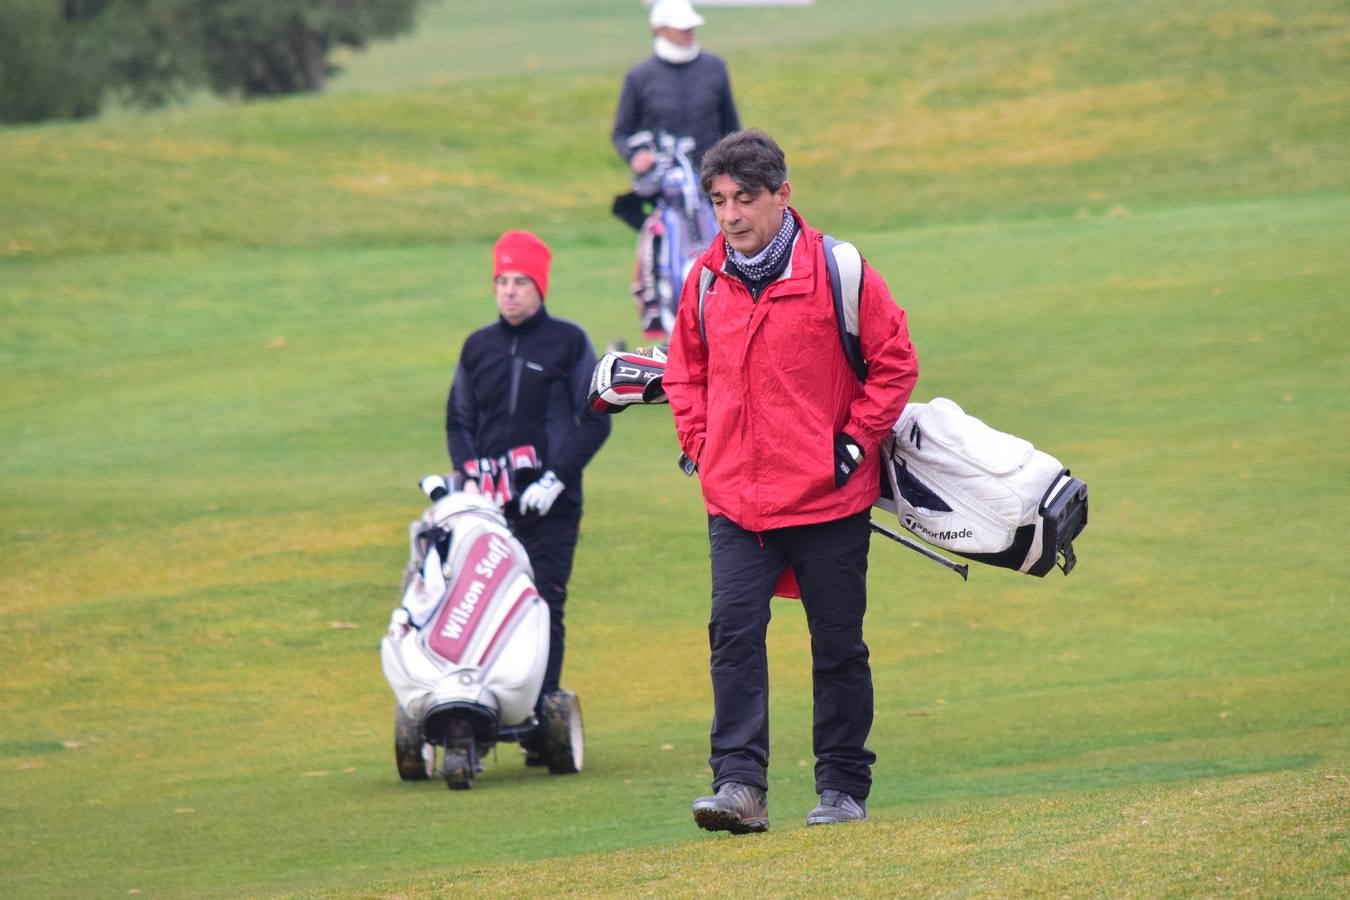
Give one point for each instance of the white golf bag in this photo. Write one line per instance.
(466, 649)
(989, 496)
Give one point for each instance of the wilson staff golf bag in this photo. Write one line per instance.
(466, 649)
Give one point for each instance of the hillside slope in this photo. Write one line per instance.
(1048, 113)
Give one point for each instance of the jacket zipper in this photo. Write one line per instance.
(516, 365)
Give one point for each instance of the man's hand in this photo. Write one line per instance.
(641, 161)
(847, 455)
(540, 496)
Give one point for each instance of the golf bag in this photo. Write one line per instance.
(988, 496)
(673, 236)
(949, 478)
(466, 649)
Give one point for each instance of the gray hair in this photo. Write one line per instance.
(752, 159)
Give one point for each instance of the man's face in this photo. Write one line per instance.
(748, 221)
(517, 296)
(682, 37)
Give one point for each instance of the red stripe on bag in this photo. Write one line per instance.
(508, 624)
(486, 567)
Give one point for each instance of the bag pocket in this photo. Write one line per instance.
(964, 437)
(942, 514)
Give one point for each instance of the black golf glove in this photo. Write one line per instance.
(847, 456)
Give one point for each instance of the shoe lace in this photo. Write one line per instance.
(743, 795)
(837, 799)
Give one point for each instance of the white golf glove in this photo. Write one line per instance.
(540, 496)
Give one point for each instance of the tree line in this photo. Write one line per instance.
(63, 59)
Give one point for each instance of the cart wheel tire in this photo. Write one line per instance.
(416, 759)
(461, 756)
(459, 769)
(564, 738)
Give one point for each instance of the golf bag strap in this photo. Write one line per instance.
(844, 264)
(705, 279)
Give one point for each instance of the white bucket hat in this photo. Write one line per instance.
(677, 14)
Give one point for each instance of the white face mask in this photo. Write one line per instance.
(672, 52)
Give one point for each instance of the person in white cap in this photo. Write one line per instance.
(680, 89)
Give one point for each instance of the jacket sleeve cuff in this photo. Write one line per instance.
(867, 442)
(695, 449)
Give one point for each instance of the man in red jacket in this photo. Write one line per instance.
(785, 438)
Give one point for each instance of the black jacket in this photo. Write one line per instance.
(685, 99)
(527, 384)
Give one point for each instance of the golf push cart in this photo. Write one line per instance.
(466, 648)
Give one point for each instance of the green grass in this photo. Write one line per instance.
(1118, 230)
(1210, 839)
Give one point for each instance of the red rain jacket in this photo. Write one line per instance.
(758, 404)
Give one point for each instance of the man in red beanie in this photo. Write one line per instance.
(521, 381)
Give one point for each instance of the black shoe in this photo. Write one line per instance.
(836, 807)
(738, 808)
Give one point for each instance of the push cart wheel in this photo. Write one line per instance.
(563, 735)
(461, 757)
(459, 768)
(416, 759)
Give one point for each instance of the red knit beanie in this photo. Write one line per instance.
(520, 251)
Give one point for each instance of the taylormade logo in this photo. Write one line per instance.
(497, 553)
(914, 524)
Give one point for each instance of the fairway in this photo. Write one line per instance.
(1119, 231)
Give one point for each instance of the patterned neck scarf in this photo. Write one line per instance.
(766, 261)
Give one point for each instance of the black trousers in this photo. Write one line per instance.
(830, 560)
(551, 542)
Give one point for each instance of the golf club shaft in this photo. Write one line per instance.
(938, 558)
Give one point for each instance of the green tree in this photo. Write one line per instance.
(62, 58)
(50, 65)
(259, 48)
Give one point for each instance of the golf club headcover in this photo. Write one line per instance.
(522, 459)
(621, 380)
(434, 486)
(480, 468)
(847, 455)
(519, 467)
(540, 496)
(482, 474)
(502, 493)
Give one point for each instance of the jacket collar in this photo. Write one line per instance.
(528, 325)
(800, 273)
